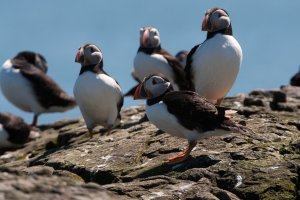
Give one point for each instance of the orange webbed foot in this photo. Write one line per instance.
(182, 156)
(178, 158)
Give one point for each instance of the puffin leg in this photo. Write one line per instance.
(90, 132)
(109, 129)
(219, 101)
(35, 120)
(108, 132)
(184, 155)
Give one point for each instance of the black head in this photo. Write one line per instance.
(149, 37)
(33, 58)
(88, 54)
(216, 19)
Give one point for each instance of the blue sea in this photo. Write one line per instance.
(267, 30)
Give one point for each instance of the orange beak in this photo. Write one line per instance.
(137, 93)
(78, 57)
(204, 27)
(144, 38)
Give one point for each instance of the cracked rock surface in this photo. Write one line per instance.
(130, 163)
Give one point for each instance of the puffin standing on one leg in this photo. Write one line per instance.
(14, 132)
(98, 95)
(151, 59)
(25, 84)
(212, 67)
(182, 113)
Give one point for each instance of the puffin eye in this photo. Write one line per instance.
(92, 50)
(154, 81)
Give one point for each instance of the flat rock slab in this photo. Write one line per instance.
(16, 186)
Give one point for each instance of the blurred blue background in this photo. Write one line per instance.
(268, 32)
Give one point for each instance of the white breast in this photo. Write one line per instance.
(145, 65)
(17, 89)
(215, 66)
(158, 114)
(97, 96)
(4, 143)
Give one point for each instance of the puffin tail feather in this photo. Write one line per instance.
(131, 91)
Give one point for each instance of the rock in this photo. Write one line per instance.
(295, 123)
(68, 174)
(39, 170)
(130, 163)
(43, 187)
(288, 107)
(254, 102)
(279, 97)
(261, 93)
(291, 91)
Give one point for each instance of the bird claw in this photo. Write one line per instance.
(183, 155)
(90, 133)
(106, 132)
(177, 159)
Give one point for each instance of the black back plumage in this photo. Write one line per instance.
(295, 80)
(46, 90)
(196, 113)
(187, 69)
(177, 68)
(18, 130)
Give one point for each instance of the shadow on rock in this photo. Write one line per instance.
(202, 161)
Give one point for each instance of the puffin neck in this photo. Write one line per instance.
(159, 98)
(149, 50)
(226, 31)
(95, 68)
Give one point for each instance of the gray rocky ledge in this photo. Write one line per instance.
(130, 163)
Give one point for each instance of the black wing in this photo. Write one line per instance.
(295, 80)
(178, 69)
(188, 67)
(131, 91)
(17, 128)
(121, 99)
(36, 59)
(47, 91)
(193, 111)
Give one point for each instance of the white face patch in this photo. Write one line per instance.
(149, 37)
(219, 20)
(92, 55)
(156, 86)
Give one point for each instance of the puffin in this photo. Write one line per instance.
(212, 67)
(97, 94)
(295, 80)
(183, 114)
(151, 58)
(14, 132)
(182, 56)
(24, 83)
